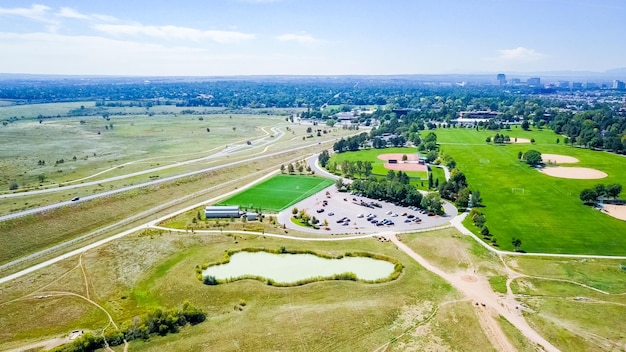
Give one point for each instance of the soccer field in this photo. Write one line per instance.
(278, 193)
(545, 212)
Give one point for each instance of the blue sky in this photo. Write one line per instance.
(310, 37)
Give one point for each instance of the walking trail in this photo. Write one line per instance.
(487, 302)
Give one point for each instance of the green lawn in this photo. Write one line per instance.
(378, 165)
(548, 216)
(279, 192)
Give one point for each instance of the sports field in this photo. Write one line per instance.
(371, 155)
(544, 212)
(279, 192)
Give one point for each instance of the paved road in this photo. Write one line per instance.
(229, 149)
(145, 184)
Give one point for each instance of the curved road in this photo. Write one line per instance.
(145, 184)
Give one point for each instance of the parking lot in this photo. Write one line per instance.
(350, 214)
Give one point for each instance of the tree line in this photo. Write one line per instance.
(156, 322)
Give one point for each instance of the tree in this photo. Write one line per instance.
(600, 190)
(42, 178)
(294, 211)
(368, 167)
(485, 231)
(282, 168)
(339, 184)
(462, 200)
(13, 186)
(477, 200)
(488, 139)
(520, 155)
(588, 196)
(532, 157)
(290, 168)
(525, 125)
(613, 190)
(517, 243)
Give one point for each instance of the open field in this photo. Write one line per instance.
(125, 143)
(377, 164)
(568, 314)
(133, 274)
(156, 269)
(29, 234)
(548, 216)
(278, 193)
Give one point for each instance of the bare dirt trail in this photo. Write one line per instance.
(478, 289)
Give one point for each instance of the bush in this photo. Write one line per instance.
(209, 280)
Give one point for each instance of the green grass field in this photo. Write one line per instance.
(279, 192)
(548, 216)
(378, 165)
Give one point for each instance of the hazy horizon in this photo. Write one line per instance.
(313, 38)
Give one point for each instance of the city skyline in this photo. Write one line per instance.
(288, 37)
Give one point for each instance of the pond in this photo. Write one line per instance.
(290, 268)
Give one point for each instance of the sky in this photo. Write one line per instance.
(309, 37)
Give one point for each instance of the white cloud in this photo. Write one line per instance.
(68, 12)
(299, 38)
(51, 53)
(71, 13)
(35, 12)
(520, 54)
(173, 33)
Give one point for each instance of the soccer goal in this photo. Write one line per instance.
(517, 190)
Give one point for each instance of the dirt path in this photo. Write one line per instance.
(478, 289)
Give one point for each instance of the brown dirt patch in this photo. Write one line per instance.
(409, 156)
(616, 211)
(558, 159)
(579, 173)
(469, 278)
(519, 140)
(406, 167)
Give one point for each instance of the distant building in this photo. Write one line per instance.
(501, 78)
(478, 114)
(619, 85)
(577, 85)
(534, 81)
(345, 116)
(516, 81)
(564, 84)
(224, 211)
(591, 85)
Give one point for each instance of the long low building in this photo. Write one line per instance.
(221, 211)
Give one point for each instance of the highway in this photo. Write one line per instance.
(227, 151)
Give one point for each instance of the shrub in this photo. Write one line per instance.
(209, 280)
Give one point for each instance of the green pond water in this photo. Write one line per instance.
(287, 268)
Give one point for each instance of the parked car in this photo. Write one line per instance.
(75, 199)
(331, 214)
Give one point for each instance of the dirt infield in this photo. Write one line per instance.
(616, 211)
(579, 173)
(409, 157)
(558, 159)
(519, 140)
(406, 167)
(409, 165)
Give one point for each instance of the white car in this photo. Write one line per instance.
(360, 215)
